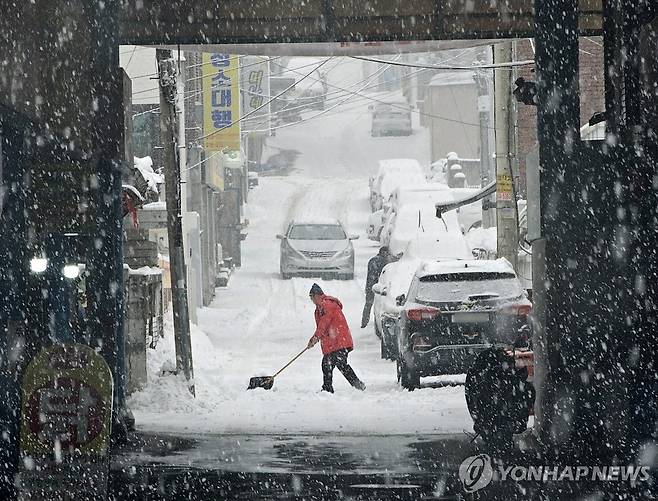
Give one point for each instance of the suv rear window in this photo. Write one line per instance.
(467, 277)
(462, 286)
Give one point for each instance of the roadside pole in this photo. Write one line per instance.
(506, 221)
(192, 299)
(167, 79)
(484, 106)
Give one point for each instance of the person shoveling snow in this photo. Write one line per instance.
(335, 339)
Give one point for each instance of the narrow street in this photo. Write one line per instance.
(384, 443)
(259, 322)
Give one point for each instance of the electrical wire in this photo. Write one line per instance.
(376, 74)
(239, 67)
(404, 108)
(274, 128)
(494, 66)
(287, 108)
(194, 93)
(131, 56)
(264, 104)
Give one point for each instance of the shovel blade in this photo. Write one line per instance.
(265, 382)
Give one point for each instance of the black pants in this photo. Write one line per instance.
(338, 359)
(370, 298)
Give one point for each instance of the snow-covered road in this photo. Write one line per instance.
(256, 324)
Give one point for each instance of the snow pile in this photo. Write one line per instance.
(144, 270)
(155, 206)
(145, 168)
(133, 191)
(483, 238)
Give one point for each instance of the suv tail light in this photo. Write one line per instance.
(418, 314)
(522, 310)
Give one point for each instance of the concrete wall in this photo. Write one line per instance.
(454, 123)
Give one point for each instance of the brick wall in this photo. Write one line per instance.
(592, 98)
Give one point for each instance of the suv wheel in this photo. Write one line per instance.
(409, 378)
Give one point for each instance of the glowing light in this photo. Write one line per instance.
(38, 264)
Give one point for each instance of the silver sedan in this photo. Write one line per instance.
(317, 249)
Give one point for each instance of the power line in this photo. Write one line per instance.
(266, 103)
(494, 66)
(191, 94)
(239, 67)
(375, 74)
(392, 105)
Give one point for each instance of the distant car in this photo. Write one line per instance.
(317, 249)
(396, 277)
(452, 312)
(391, 119)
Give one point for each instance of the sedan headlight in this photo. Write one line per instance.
(346, 252)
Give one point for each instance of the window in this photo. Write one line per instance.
(316, 232)
(462, 286)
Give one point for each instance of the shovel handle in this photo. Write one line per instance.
(285, 366)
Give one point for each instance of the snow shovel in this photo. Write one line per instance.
(266, 382)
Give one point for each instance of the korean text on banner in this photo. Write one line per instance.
(255, 90)
(221, 102)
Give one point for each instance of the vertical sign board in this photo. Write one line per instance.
(221, 102)
(65, 425)
(255, 92)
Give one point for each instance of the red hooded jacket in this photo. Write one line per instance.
(332, 329)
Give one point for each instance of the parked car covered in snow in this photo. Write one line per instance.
(388, 166)
(395, 279)
(415, 221)
(317, 249)
(452, 312)
(418, 195)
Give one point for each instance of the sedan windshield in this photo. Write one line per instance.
(316, 232)
(464, 286)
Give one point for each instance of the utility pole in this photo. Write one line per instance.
(484, 107)
(192, 299)
(506, 219)
(167, 78)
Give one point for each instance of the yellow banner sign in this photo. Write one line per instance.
(221, 101)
